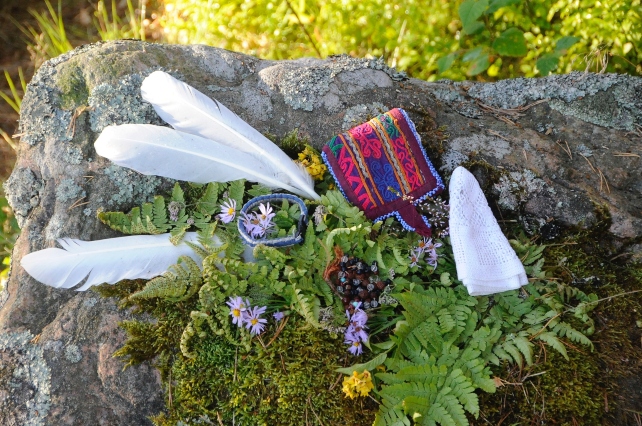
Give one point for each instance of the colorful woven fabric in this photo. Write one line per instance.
(381, 167)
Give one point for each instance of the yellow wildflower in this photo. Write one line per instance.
(358, 384)
(312, 162)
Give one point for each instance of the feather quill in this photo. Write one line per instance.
(161, 151)
(107, 261)
(188, 110)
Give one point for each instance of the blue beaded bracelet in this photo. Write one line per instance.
(288, 240)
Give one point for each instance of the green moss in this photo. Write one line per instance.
(292, 143)
(73, 89)
(591, 388)
(293, 382)
(552, 391)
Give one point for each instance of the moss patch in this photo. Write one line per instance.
(602, 387)
(72, 86)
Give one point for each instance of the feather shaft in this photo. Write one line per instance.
(190, 111)
(107, 261)
(161, 151)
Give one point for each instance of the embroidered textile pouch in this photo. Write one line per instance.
(378, 165)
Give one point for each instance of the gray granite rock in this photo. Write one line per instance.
(561, 149)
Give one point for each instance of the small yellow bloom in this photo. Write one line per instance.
(358, 384)
(312, 162)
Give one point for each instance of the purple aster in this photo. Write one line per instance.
(415, 257)
(356, 333)
(250, 222)
(253, 321)
(263, 227)
(358, 318)
(238, 309)
(228, 211)
(278, 315)
(432, 259)
(356, 348)
(426, 245)
(266, 213)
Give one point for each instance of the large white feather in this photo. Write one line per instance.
(107, 261)
(188, 110)
(161, 151)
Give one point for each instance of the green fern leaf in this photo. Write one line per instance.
(370, 365)
(551, 339)
(177, 234)
(159, 213)
(208, 203)
(565, 329)
(391, 413)
(525, 347)
(307, 306)
(236, 189)
(446, 321)
(513, 351)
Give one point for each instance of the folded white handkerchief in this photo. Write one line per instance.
(486, 263)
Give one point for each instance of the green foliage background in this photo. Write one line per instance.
(430, 39)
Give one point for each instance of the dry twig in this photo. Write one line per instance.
(492, 132)
(77, 203)
(603, 178)
(589, 162)
(567, 150)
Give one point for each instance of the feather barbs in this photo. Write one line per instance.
(107, 261)
(189, 111)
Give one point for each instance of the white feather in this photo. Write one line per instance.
(188, 110)
(107, 261)
(161, 151)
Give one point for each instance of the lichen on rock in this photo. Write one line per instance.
(25, 380)
(24, 191)
(120, 104)
(303, 82)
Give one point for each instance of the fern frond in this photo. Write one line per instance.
(307, 306)
(564, 329)
(551, 339)
(391, 413)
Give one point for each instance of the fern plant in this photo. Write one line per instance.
(433, 350)
(445, 340)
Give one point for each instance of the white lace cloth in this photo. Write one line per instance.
(486, 263)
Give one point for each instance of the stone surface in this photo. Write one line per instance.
(551, 153)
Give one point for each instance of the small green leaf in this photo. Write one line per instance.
(359, 368)
(473, 54)
(511, 43)
(565, 43)
(495, 5)
(547, 63)
(444, 63)
(469, 12)
(479, 65)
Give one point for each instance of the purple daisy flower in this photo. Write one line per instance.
(356, 348)
(253, 321)
(357, 333)
(415, 257)
(251, 223)
(358, 318)
(266, 213)
(278, 315)
(432, 259)
(228, 211)
(237, 309)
